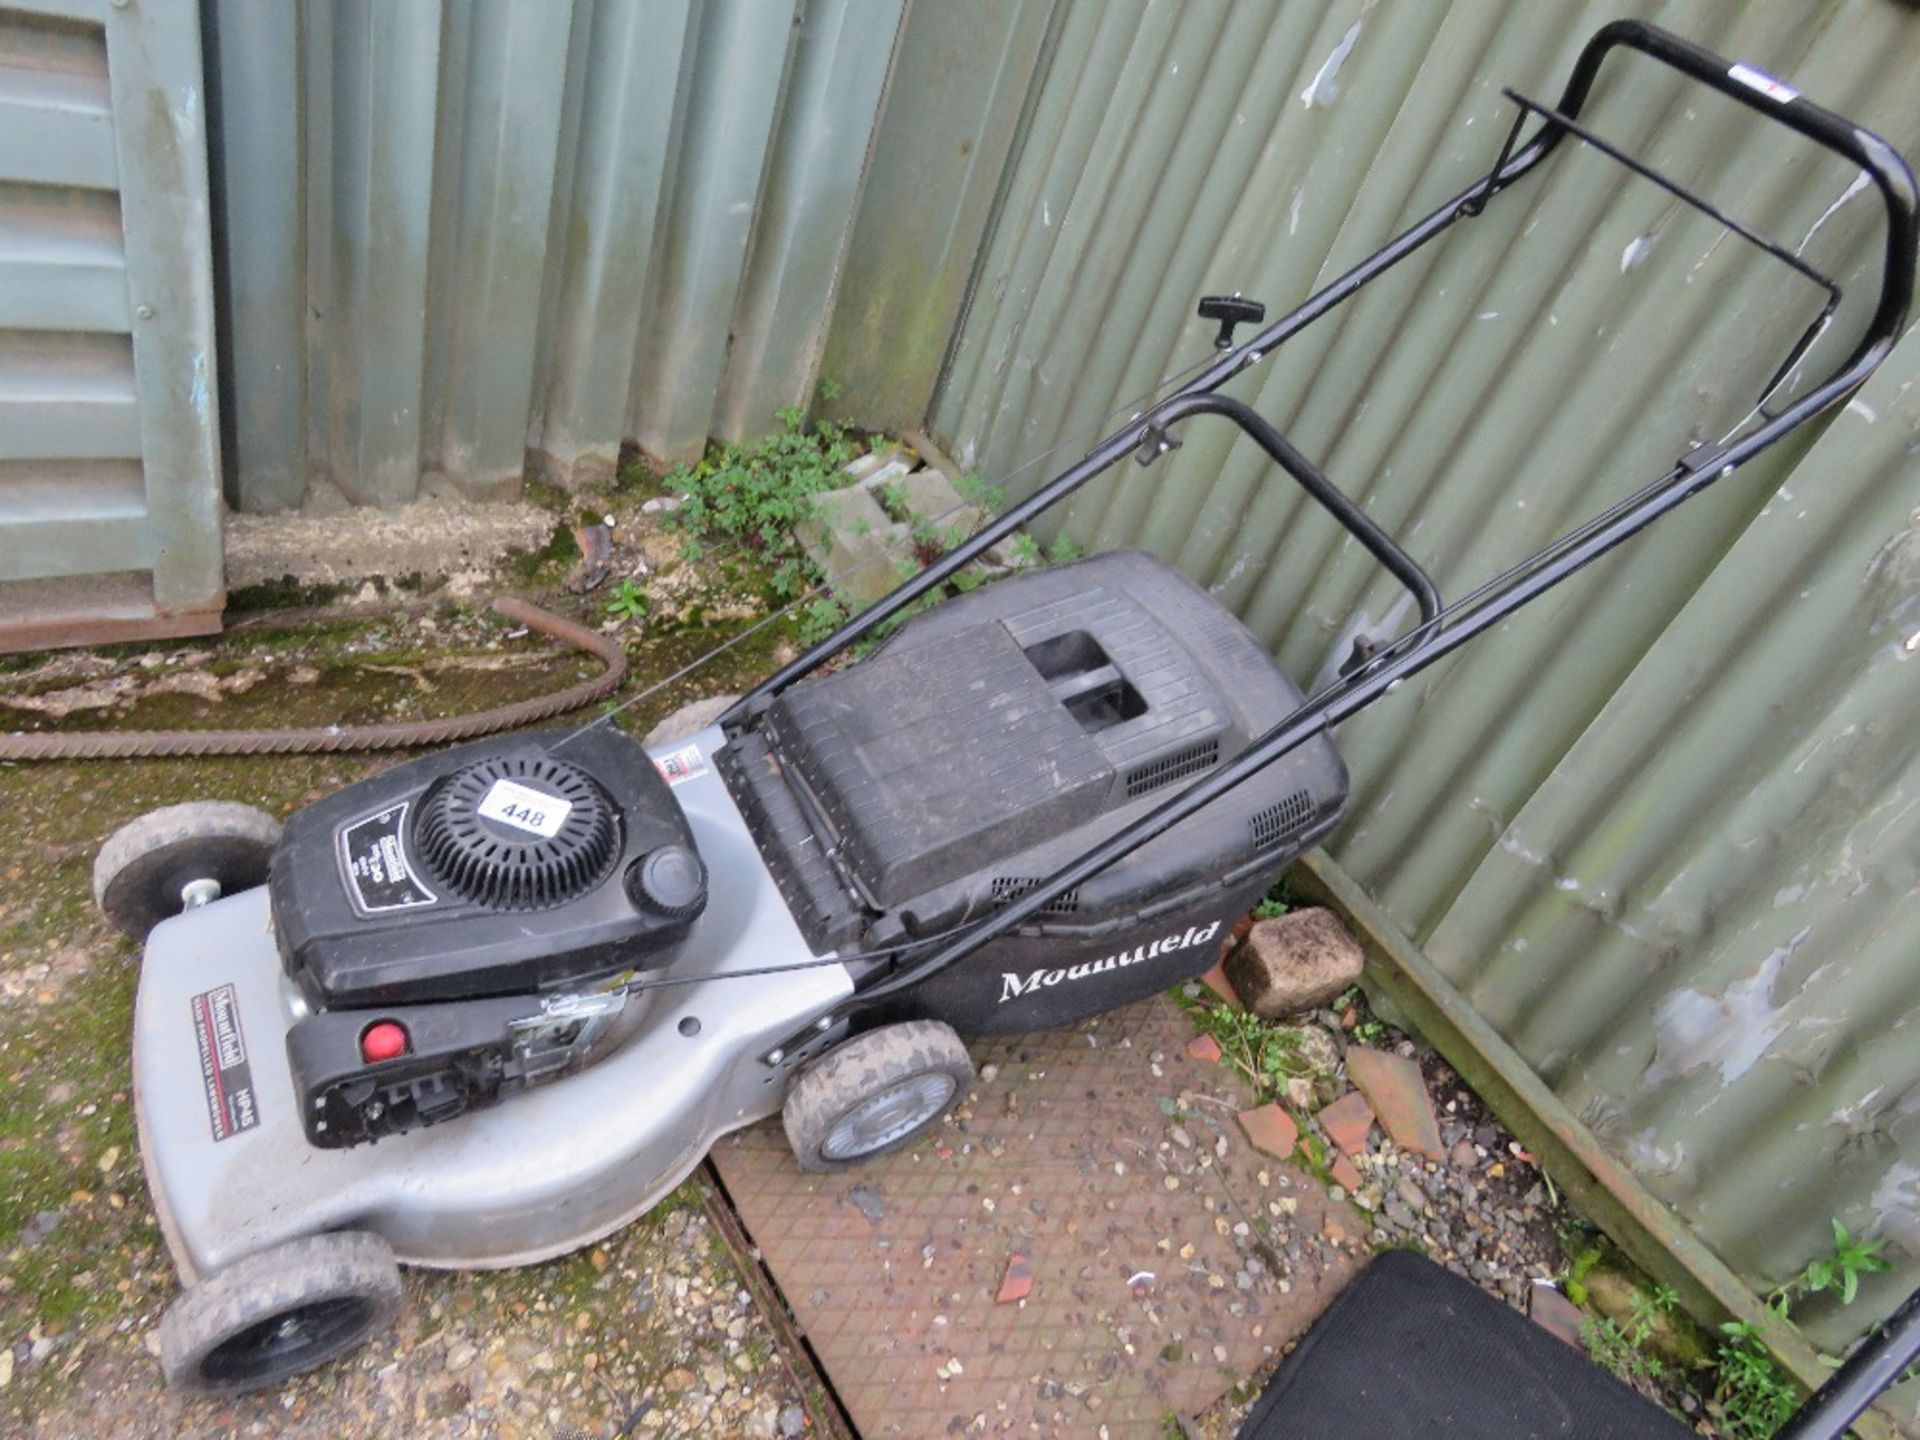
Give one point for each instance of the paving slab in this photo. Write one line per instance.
(1162, 1258)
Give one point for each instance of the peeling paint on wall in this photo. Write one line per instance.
(1729, 1030)
(1324, 88)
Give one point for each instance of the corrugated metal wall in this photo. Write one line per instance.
(1664, 830)
(459, 233)
(109, 497)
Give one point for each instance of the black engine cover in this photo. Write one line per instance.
(496, 868)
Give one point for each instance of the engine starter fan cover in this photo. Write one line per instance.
(518, 832)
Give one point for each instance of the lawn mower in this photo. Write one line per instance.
(493, 1004)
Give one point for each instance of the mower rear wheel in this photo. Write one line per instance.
(272, 1315)
(875, 1093)
(154, 867)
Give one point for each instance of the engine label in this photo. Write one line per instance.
(525, 808)
(686, 763)
(224, 1071)
(375, 863)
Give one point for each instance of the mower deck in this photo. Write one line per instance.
(231, 1169)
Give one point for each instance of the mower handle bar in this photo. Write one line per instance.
(1742, 83)
(1441, 630)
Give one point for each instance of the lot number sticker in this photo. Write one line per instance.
(525, 808)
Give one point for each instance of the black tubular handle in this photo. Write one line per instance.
(1879, 1362)
(1742, 83)
(1382, 546)
(1782, 103)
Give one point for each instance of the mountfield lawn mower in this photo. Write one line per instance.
(495, 1003)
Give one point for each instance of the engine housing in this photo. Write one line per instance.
(502, 867)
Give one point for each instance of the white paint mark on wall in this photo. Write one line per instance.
(186, 115)
(1857, 406)
(1648, 1156)
(1730, 1031)
(1635, 255)
(1293, 210)
(1324, 88)
(1859, 184)
(1896, 1200)
(198, 389)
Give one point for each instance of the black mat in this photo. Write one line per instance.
(1409, 1349)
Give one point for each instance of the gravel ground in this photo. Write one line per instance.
(651, 1334)
(1485, 1211)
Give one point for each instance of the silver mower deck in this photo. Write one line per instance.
(542, 1173)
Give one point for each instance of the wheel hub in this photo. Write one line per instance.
(881, 1119)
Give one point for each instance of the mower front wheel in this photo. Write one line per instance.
(154, 867)
(875, 1093)
(272, 1315)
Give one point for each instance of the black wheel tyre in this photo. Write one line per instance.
(875, 1093)
(275, 1314)
(140, 872)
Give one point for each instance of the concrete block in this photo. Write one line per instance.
(851, 539)
(862, 468)
(931, 498)
(689, 719)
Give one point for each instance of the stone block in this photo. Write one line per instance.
(1296, 962)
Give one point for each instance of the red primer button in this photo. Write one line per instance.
(383, 1041)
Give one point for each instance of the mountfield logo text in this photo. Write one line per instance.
(1014, 986)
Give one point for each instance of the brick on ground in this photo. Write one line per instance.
(1348, 1121)
(1556, 1314)
(1294, 963)
(1394, 1088)
(1017, 1284)
(1216, 981)
(1271, 1129)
